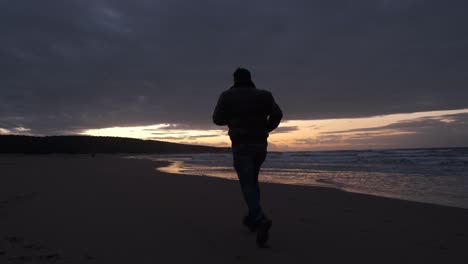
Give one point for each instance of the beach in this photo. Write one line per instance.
(107, 209)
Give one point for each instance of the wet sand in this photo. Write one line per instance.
(80, 209)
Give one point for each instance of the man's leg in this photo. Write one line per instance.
(259, 158)
(247, 162)
(260, 152)
(262, 223)
(245, 166)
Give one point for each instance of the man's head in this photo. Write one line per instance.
(242, 75)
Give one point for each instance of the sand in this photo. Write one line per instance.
(106, 209)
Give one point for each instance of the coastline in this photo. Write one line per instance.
(177, 167)
(107, 209)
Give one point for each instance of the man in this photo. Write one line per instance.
(250, 114)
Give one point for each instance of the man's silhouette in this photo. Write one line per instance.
(250, 114)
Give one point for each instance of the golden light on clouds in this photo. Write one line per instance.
(293, 135)
(15, 130)
(165, 132)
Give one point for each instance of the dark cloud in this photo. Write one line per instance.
(179, 135)
(412, 125)
(162, 133)
(285, 129)
(165, 138)
(168, 127)
(71, 65)
(201, 136)
(182, 138)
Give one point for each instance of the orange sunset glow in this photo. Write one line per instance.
(297, 135)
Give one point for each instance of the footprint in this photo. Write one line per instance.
(21, 259)
(308, 220)
(24, 196)
(14, 240)
(240, 258)
(364, 230)
(33, 247)
(443, 247)
(211, 243)
(49, 257)
(17, 199)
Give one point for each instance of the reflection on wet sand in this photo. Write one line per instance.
(175, 166)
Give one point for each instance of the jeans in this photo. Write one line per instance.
(247, 161)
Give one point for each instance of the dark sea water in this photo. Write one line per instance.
(438, 176)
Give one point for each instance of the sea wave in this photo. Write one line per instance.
(437, 176)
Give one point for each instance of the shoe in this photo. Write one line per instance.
(263, 227)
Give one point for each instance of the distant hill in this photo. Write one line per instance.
(91, 144)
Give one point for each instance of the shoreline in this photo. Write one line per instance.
(106, 209)
(175, 167)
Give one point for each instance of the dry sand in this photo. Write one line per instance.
(79, 209)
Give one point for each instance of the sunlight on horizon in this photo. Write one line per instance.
(293, 135)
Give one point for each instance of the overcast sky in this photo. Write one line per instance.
(67, 66)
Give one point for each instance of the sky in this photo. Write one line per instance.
(347, 74)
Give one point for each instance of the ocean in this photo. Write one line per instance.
(437, 176)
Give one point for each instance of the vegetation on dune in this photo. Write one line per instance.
(91, 144)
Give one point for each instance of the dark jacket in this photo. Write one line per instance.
(250, 113)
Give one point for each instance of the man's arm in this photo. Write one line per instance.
(220, 117)
(275, 116)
